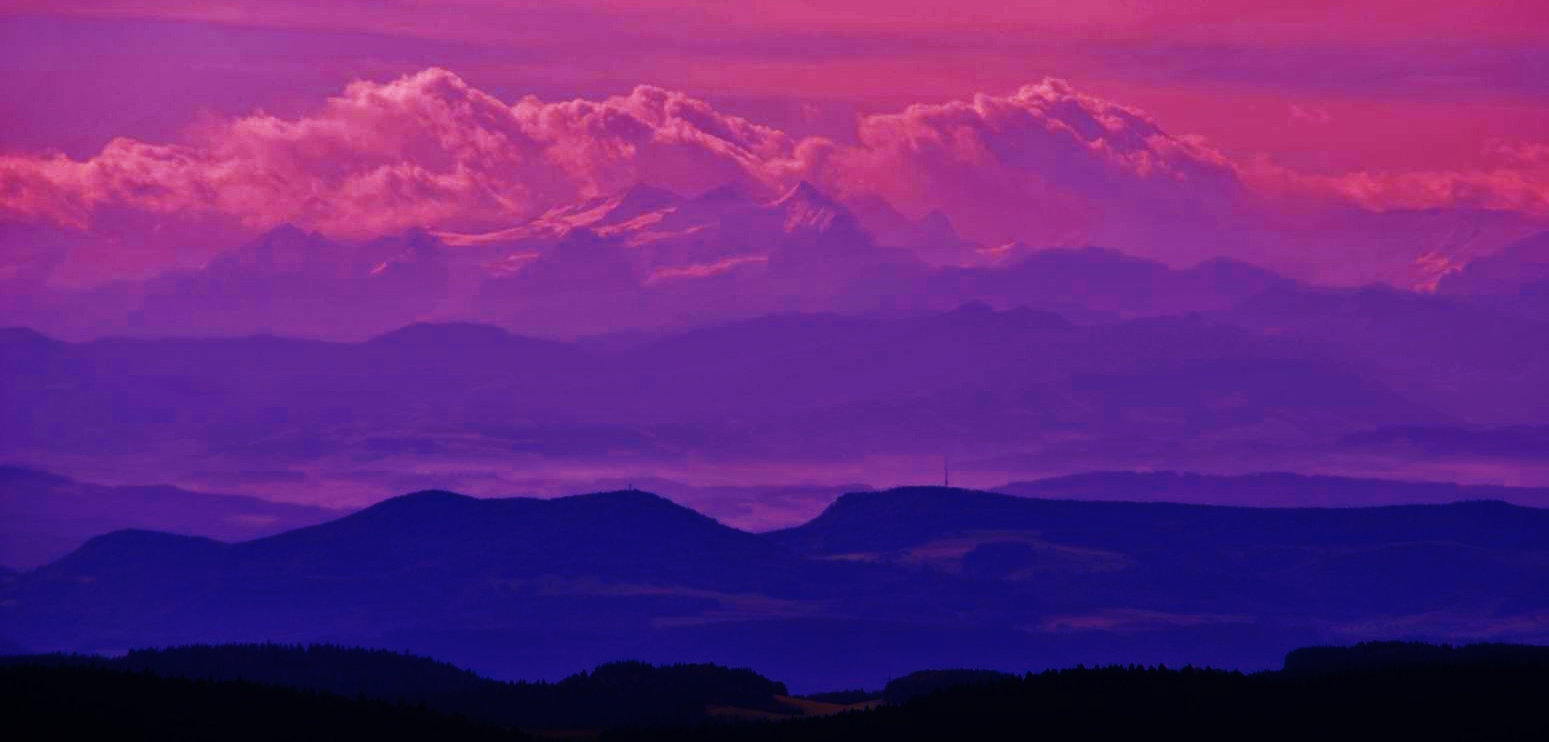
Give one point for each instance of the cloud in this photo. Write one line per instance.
(1042, 163)
(1045, 164)
(653, 136)
(1500, 190)
(426, 149)
(1514, 177)
(1311, 115)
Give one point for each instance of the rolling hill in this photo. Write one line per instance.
(877, 585)
(1269, 489)
(45, 516)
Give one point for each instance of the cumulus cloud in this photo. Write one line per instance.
(426, 149)
(1045, 164)
(653, 136)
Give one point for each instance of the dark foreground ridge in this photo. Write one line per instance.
(95, 702)
(618, 694)
(1368, 691)
(1464, 701)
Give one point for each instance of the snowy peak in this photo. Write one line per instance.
(805, 208)
(639, 200)
(641, 203)
(806, 193)
(1514, 267)
(403, 251)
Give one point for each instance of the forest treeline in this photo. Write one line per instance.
(269, 691)
(1412, 700)
(91, 702)
(612, 695)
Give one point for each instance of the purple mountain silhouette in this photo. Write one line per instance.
(908, 577)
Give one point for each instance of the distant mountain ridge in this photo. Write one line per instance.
(1514, 279)
(643, 258)
(789, 387)
(45, 516)
(669, 261)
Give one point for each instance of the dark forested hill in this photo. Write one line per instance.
(879, 585)
(1335, 563)
(1288, 490)
(909, 517)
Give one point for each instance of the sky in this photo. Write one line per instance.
(1047, 122)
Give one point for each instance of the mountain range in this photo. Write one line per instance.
(878, 585)
(651, 259)
(1354, 382)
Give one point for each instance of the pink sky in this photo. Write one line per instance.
(170, 108)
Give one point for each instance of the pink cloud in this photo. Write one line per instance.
(702, 270)
(1045, 164)
(1503, 190)
(1310, 114)
(1513, 178)
(655, 136)
(426, 149)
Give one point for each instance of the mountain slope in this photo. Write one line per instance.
(879, 583)
(43, 516)
(1283, 490)
(1510, 271)
(1468, 361)
(297, 283)
(907, 517)
(1191, 558)
(432, 560)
